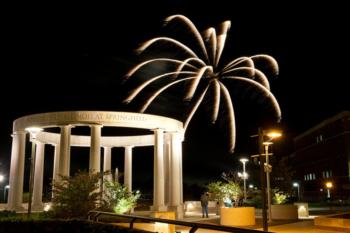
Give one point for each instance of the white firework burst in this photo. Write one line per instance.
(204, 68)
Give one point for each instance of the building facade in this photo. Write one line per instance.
(322, 155)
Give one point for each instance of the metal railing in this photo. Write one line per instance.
(94, 216)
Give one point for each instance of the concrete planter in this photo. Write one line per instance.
(284, 212)
(239, 216)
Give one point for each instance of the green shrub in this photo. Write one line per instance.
(75, 196)
(226, 191)
(118, 199)
(279, 197)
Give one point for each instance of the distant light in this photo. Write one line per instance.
(2, 178)
(244, 160)
(243, 175)
(274, 134)
(267, 143)
(295, 184)
(251, 186)
(7, 186)
(47, 207)
(329, 185)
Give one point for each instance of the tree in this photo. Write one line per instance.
(226, 192)
(118, 198)
(75, 196)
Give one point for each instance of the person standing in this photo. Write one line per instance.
(204, 204)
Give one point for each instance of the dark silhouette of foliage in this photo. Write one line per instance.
(75, 196)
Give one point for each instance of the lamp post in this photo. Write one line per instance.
(268, 169)
(2, 178)
(33, 132)
(296, 184)
(262, 180)
(262, 155)
(245, 176)
(329, 185)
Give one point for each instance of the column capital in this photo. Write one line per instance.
(95, 126)
(18, 132)
(129, 146)
(158, 130)
(38, 142)
(67, 126)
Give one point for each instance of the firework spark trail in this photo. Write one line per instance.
(157, 93)
(148, 43)
(139, 66)
(136, 91)
(204, 68)
(193, 29)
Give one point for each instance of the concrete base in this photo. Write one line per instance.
(159, 208)
(284, 212)
(178, 210)
(239, 216)
(19, 208)
(38, 207)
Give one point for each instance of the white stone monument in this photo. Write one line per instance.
(166, 139)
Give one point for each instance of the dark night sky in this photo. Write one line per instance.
(58, 58)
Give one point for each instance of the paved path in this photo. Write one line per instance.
(299, 226)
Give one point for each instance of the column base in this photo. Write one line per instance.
(159, 208)
(179, 211)
(38, 207)
(15, 208)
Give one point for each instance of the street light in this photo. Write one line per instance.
(329, 185)
(2, 178)
(268, 169)
(245, 176)
(296, 184)
(33, 132)
(262, 134)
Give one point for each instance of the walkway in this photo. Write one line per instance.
(282, 226)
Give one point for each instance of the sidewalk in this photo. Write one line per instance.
(281, 226)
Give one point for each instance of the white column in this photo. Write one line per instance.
(95, 149)
(56, 162)
(17, 171)
(56, 165)
(175, 170)
(64, 150)
(167, 170)
(128, 168)
(158, 190)
(107, 159)
(38, 177)
(116, 175)
(181, 138)
(176, 174)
